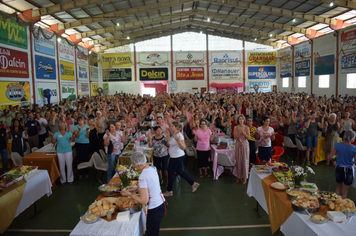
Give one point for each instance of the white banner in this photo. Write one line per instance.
(84, 89)
(83, 72)
(226, 58)
(153, 59)
(47, 91)
(227, 73)
(66, 52)
(189, 58)
(303, 49)
(264, 86)
(82, 55)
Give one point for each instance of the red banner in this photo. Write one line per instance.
(347, 36)
(13, 63)
(190, 73)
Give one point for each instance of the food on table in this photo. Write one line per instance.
(90, 218)
(132, 188)
(109, 188)
(23, 170)
(221, 147)
(342, 205)
(277, 164)
(8, 179)
(101, 207)
(298, 193)
(280, 169)
(278, 185)
(327, 196)
(133, 183)
(306, 202)
(283, 177)
(261, 169)
(129, 147)
(126, 202)
(317, 217)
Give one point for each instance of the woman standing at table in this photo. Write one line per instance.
(252, 140)
(114, 140)
(266, 135)
(160, 152)
(242, 149)
(150, 194)
(346, 157)
(203, 136)
(176, 153)
(18, 135)
(64, 152)
(81, 134)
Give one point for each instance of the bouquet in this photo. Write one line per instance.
(127, 173)
(299, 174)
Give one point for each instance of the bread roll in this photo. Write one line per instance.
(106, 206)
(126, 204)
(99, 203)
(106, 202)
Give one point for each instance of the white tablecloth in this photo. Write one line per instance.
(134, 227)
(38, 184)
(48, 148)
(299, 224)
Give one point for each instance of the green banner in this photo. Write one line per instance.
(12, 33)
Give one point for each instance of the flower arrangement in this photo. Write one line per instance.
(299, 174)
(127, 173)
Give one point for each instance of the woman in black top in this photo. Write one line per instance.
(18, 135)
(332, 129)
(93, 135)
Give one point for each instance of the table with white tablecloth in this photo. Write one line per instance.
(299, 224)
(47, 148)
(218, 170)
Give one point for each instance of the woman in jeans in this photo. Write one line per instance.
(117, 139)
(176, 153)
(160, 152)
(266, 135)
(312, 136)
(81, 134)
(150, 194)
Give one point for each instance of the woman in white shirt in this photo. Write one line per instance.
(266, 135)
(177, 154)
(150, 193)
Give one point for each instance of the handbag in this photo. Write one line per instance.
(354, 175)
(110, 148)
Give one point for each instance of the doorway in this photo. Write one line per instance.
(155, 87)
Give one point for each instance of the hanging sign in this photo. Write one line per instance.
(45, 46)
(286, 70)
(153, 59)
(261, 58)
(14, 93)
(45, 68)
(153, 74)
(13, 63)
(226, 73)
(263, 72)
(116, 60)
(190, 73)
(67, 70)
(12, 33)
(82, 56)
(189, 58)
(226, 57)
(94, 73)
(68, 91)
(83, 72)
(325, 65)
(302, 68)
(66, 51)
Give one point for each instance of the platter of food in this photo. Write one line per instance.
(109, 190)
(342, 205)
(128, 204)
(303, 203)
(283, 177)
(276, 164)
(326, 196)
(23, 170)
(293, 193)
(305, 186)
(7, 180)
(130, 147)
(101, 207)
(89, 218)
(261, 169)
(278, 186)
(318, 218)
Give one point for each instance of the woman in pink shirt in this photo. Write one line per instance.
(203, 136)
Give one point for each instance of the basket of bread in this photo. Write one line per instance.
(128, 204)
(102, 207)
(342, 205)
(302, 203)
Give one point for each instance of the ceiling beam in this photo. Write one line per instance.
(341, 3)
(123, 13)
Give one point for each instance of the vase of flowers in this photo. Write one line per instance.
(299, 174)
(127, 173)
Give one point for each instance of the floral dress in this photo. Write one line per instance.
(242, 155)
(159, 147)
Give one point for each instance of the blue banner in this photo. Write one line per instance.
(44, 45)
(302, 68)
(262, 72)
(286, 70)
(45, 67)
(325, 65)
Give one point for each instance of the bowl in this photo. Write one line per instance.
(131, 209)
(325, 201)
(89, 218)
(105, 189)
(300, 190)
(303, 209)
(318, 221)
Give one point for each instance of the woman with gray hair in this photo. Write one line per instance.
(332, 129)
(150, 193)
(346, 157)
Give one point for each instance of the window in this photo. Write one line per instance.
(189, 41)
(154, 45)
(285, 82)
(324, 81)
(302, 82)
(351, 81)
(218, 43)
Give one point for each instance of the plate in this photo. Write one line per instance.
(87, 215)
(261, 169)
(271, 185)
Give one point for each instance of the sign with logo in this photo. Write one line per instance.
(286, 70)
(153, 74)
(12, 33)
(153, 59)
(261, 58)
(264, 86)
(14, 93)
(45, 46)
(285, 54)
(45, 67)
(302, 68)
(84, 90)
(13, 63)
(67, 70)
(94, 73)
(82, 56)
(94, 88)
(68, 91)
(83, 72)
(348, 61)
(66, 51)
(263, 72)
(348, 35)
(172, 85)
(122, 74)
(226, 57)
(228, 73)
(93, 59)
(190, 73)
(303, 49)
(189, 58)
(45, 89)
(325, 65)
(116, 60)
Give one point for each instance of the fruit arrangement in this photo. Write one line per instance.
(8, 179)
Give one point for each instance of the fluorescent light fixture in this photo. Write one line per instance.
(255, 39)
(331, 4)
(294, 20)
(270, 35)
(59, 40)
(128, 37)
(208, 19)
(117, 24)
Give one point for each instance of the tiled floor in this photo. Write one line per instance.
(222, 207)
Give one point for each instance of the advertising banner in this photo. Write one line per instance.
(47, 93)
(66, 51)
(45, 68)
(325, 65)
(264, 86)
(189, 58)
(94, 88)
(67, 70)
(93, 59)
(226, 57)
(303, 49)
(153, 59)
(263, 72)
(68, 91)
(302, 68)
(94, 73)
(261, 58)
(15, 93)
(228, 73)
(285, 55)
(82, 56)
(12, 33)
(84, 90)
(83, 72)
(45, 46)
(190, 73)
(13, 63)
(116, 60)
(122, 74)
(286, 70)
(153, 74)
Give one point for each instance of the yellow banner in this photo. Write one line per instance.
(261, 58)
(116, 60)
(94, 88)
(67, 70)
(14, 93)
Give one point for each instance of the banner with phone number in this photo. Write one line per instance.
(14, 93)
